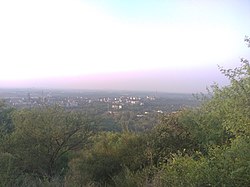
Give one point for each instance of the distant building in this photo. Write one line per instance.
(116, 107)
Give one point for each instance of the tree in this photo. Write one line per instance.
(6, 125)
(169, 137)
(43, 138)
(222, 126)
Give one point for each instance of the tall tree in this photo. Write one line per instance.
(43, 138)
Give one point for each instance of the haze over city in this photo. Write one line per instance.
(170, 46)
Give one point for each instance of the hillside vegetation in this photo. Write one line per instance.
(204, 146)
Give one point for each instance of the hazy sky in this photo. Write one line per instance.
(171, 46)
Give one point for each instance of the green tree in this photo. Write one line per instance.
(43, 138)
(6, 125)
(221, 125)
(111, 154)
(171, 136)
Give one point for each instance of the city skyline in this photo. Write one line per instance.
(172, 46)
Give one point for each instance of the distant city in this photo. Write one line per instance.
(108, 101)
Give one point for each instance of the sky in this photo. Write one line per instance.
(147, 45)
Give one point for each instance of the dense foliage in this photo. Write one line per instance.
(204, 146)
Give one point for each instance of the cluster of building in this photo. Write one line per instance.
(117, 103)
(142, 104)
(72, 101)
